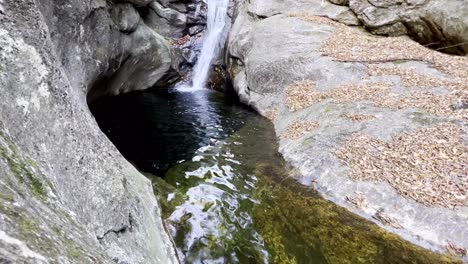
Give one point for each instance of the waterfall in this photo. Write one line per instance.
(213, 42)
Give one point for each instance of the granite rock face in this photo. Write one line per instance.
(439, 24)
(66, 193)
(322, 82)
(265, 8)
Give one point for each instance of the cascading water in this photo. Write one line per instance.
(217, 25)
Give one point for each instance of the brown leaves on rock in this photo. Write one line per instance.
(436, 104)
(358, 199)
(300, 128)
(429, 166)
(351, 44)
(350, 93)
(440, 105)
(456, 250)
(181, 41)
(358, 117)
(302, 94)
(409, 76)
(271, 114)
(354, 45)
(386, 220)
(456, 66)
(316, 19)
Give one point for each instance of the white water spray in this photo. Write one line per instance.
(213, 41)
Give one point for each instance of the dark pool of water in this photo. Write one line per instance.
(159, 129)
(225, 192)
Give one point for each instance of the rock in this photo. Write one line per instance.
(268, 8)
(66, 193)
(347, 81)
(126, 17)
(197, 18)
(442, 25)
(180, 7)
(195, 30)
(138, 3)
(150, 61)
(340, 2)
(168, 22)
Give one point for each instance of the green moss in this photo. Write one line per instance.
(33, 164)
(162, 190)
(34, 235)
(101, 53)
(6, 196)
(328, 109)
(28, 225)
(298, 223)
(57, 231)
(51, 244)
(37, 186)
(207, 206)
(235, 67)
(7, 210)
(72, 249)
(28, 230)
(26, 172)
(22, 170)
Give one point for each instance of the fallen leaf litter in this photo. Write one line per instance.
(429, 166)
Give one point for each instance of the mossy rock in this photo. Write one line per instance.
(299, 226)
(24, 170)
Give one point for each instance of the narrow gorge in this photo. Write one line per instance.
(233, 131)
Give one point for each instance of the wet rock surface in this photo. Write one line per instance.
(315, 112)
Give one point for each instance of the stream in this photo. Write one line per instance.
(226, 193)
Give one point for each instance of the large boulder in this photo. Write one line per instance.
(66, 193)
(170, 22)
(126, 17)
(148, 60)
(355, 112)
(138, 3)
(267, 8)
(439, 24)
